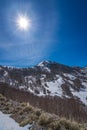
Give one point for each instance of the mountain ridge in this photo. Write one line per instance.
(48, 78)
(49, 61)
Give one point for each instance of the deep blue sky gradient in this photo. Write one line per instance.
(58, 32)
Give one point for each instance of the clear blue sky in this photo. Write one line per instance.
(58, 32)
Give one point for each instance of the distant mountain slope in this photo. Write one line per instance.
(48, 78)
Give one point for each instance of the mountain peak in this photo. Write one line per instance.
(44, 63)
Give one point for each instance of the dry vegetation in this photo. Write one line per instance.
(25, 114)
(64, 107)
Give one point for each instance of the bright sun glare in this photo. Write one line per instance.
(23, 22)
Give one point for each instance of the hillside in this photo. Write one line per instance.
(46, 85)
(32, 118)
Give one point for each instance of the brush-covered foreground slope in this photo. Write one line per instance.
(31, 118)
(48, 78)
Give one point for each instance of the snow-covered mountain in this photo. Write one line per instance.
(48, 78)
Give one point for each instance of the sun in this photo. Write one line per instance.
(23, 22)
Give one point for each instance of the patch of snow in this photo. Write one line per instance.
(28, 78)
(0, 68)
(84, 84)
(42, 80)
(41, 94)
(5, 73)
(7, 123)
(30, 82)
(71, 82)
(82, 95)
(30, 90)
(22, 87)
(71, 77)
(10, 67)
(11, 83)
(46, 69)
(41, 64)
(55, 87)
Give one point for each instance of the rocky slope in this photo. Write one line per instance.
(48, 78)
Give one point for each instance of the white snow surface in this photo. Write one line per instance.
(70, 76)
(41, 63)
(82, 94)
(55, 87)
(7, 123)
(5, 73)
(71, 82)
(46, 69)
